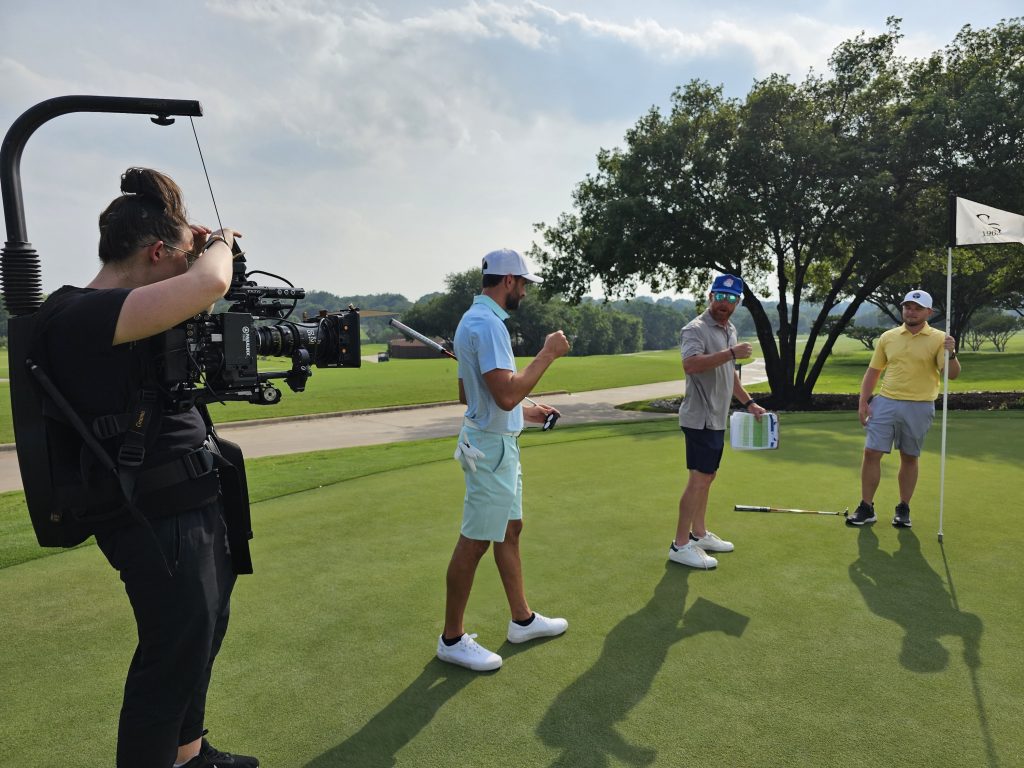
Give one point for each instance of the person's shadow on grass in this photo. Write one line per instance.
(376, 743)
(903, 588)
(581, 720)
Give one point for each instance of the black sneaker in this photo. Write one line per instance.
(211, 757)
(865, 513)
(902, 517)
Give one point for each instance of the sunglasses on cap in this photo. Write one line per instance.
(732, 298)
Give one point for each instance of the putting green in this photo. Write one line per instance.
(813, 644)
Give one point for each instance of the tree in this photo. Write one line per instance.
(440, 314)
(827, 189)
(997, 327)
(661, 323)
(865, 334)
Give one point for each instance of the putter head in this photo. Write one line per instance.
(549, 421)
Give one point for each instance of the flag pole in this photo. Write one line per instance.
(945, 368)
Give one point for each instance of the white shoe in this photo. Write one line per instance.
(692, 555)
(468, 653)
(709, 542)
(541, 626)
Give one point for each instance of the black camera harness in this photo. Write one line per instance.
(137, 428)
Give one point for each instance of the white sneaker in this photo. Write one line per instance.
(692, 555)
(709, 542)
(468, 653)
(541, 626)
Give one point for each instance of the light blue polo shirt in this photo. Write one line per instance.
(482, 344)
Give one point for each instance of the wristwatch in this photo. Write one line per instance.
(749, 403)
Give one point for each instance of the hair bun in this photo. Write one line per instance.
(150, 187)
(132, 181)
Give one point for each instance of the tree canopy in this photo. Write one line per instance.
(827, 191)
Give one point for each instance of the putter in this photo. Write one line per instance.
(549, 420)
(749, 508)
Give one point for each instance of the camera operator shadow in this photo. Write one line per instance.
(386, 733)
(581, 721)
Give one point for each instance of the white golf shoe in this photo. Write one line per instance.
(468, 653)
(692, 555)
(709, 542)
(541, 626)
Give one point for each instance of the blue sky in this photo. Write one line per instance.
(377, 147)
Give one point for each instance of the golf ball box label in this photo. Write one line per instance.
(746, 433)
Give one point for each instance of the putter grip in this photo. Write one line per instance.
(549, 421)
(748, 508)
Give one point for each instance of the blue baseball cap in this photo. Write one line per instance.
(727, 284)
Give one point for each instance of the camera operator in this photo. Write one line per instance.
(176, 564)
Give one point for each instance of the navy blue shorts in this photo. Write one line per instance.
(704, 449)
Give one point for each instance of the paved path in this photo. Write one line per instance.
(274, 437)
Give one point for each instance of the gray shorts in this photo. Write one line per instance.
(902, 423)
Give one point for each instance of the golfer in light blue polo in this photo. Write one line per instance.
(488, 450)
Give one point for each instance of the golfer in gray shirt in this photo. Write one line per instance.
(709, 349)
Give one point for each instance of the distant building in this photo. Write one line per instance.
(405, 349)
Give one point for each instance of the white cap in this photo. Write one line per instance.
(508, 262)
(919, 297)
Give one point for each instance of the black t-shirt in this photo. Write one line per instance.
(99, 378)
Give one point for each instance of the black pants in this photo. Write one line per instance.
(181, 621)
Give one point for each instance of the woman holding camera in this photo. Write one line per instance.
(157, 271)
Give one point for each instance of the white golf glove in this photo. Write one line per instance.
(466, 454)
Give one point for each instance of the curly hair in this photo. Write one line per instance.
(150, 208)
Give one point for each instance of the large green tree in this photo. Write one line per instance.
(823, 191)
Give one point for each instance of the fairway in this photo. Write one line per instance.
(813, 644)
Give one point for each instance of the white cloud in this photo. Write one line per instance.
(369, 148)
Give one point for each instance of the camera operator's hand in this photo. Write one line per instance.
(199, 235)
(227, 234)
(556, 344)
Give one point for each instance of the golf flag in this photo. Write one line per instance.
(978, 224)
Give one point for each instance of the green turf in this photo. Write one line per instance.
(812, 645)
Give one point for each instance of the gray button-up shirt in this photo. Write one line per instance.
(709, 393)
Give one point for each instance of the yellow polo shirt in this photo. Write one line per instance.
(911, 361)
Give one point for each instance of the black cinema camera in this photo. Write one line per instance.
(213, 357)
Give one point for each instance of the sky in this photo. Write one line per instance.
(377, 147)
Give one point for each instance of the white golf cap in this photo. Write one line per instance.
(919, 297)
(508, 262)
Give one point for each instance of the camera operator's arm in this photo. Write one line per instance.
(508, 389)
(156, 306)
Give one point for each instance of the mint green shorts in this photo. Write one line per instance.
(494, 493)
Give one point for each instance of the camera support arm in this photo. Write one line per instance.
(19, 262)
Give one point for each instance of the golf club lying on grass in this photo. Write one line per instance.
(748, 508)
(549, 420)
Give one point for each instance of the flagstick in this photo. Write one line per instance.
(945, 388)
